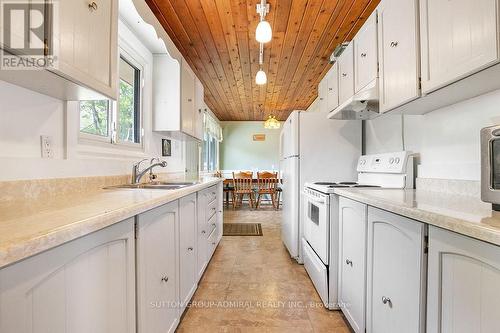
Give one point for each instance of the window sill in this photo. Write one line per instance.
(88, 148)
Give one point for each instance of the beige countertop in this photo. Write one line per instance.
(463, 214)
(28, 228)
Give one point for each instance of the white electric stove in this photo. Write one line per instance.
(320, 240)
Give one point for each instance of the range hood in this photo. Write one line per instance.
(363, 105)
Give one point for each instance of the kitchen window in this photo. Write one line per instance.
(212, 136)
(116, 122)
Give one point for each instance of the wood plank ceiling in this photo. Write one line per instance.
(217, 38)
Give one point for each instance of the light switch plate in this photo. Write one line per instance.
(46, 146)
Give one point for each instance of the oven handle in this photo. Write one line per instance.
(313, 199)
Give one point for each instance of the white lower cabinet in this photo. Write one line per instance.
(352, 261)
(463, 293)
(187, 249)
(86, 285)
(157, 276)
(396, 268)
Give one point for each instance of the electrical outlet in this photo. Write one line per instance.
(46, 146)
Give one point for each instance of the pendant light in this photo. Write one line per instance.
(263, 33)
(272, 123)
(261, 77)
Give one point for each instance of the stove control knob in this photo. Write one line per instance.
(391, 160)
(397, 160)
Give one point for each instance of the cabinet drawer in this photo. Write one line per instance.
(212, 224)
(211, 194)
(211, 209)
(212, 243)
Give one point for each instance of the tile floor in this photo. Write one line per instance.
(252, 285)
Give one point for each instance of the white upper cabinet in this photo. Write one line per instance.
(157, 278)
(188, 80)
(177, 98)
(395, 273)
(398, 53)
(365, 54)
(463, 294)
(82, 35)
(458, 38)
(332, 88)
(322, 94)
(86, 285)
(346, 74)
(199, 109)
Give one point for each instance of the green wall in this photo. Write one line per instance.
(238, 151)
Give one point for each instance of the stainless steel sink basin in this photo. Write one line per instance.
(155, 185)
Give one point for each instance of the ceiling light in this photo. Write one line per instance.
(263, 33)
(272, 123)
(261, 77)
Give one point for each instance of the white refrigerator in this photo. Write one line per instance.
(312, 149)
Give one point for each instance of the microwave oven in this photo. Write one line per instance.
(490, 165)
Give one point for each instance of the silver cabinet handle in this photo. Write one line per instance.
(164, 279)
(93, 6)
(203, 232)
(190, 249)
(386, 300)
(348, 262)
(363, 55)
(330, 89)
(344, 74)
(394, 44)
(214, 224)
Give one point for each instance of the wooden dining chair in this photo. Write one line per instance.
(243, 185)
(267, 184)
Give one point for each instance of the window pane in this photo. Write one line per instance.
(94, 117)
(128, 106)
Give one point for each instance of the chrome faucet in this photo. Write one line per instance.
(137, 175)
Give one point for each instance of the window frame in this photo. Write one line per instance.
(135, 60)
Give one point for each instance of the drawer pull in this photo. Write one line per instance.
(348, 262)
(164, 279)
(203, 232)
(190, 249)
(93, 6)
(363, 55)
(394, 44)
(386, 300)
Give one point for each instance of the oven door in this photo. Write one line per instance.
(317, 222)
(490, 165)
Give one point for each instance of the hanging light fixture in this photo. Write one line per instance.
(272, 123)
(263, 33)
(261, 77)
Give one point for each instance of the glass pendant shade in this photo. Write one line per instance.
(261, 77)
(272, 123)
(263, 33)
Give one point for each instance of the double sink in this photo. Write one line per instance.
(155, 185)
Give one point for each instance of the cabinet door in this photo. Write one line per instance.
(87, 43)
(203, 233)
(365, 53)
(332, 92)
(398, 52)
(323, 95)
(352, 261)
(86, 285)
(459, 37)
(199, 109)
(396, 273)
(463, 293)
(220, 211)
(156, 269)
(188, 99)
(187, 249)
(346, 74)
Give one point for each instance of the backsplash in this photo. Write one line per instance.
(451, 186)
